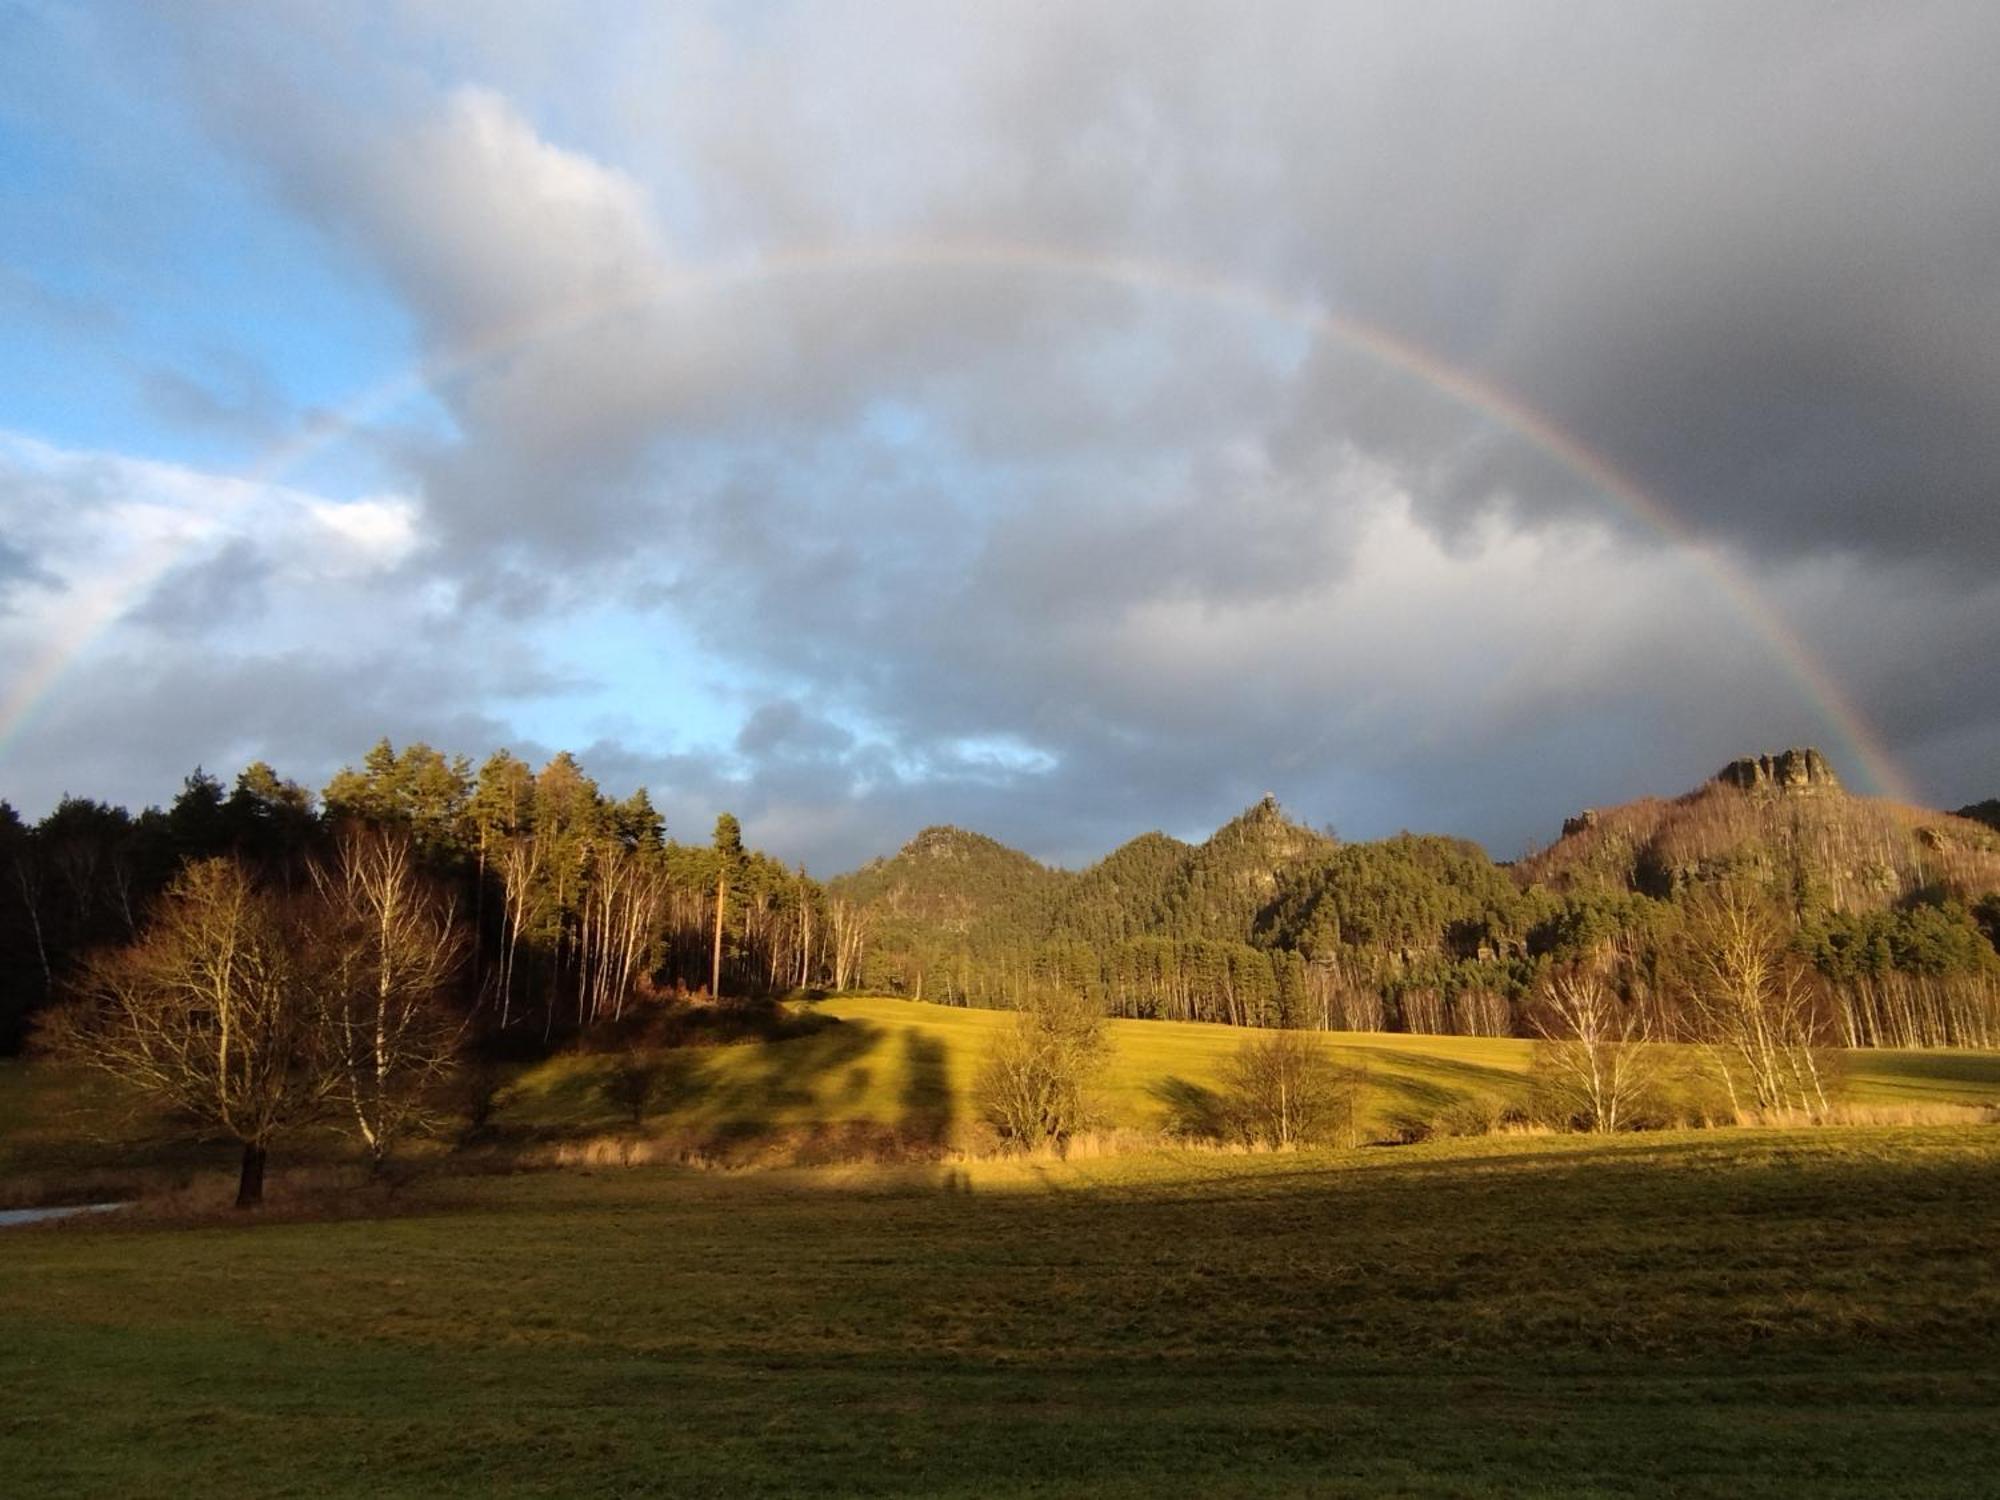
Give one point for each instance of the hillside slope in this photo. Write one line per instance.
(909, 1067)
(1813, 841)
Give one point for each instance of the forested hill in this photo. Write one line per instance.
(951, 879)
(958, 916)
(954, 908)
(1987, 812)
(1268, 921)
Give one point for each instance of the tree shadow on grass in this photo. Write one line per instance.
(1415, 1094)
(929, 1108)
(643, 1084)
(1474, 1077)
(1426, 1095)
(1192, 1110)
(778, 1095)
(742, 1091)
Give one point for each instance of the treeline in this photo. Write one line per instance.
(575, 904)
(1893, 919)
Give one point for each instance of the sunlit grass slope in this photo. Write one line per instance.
(882, 1065)
(1727, 1313)
(905, 1064)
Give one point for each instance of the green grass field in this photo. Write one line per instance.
(1739, 1313)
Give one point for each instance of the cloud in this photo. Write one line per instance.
(487, 224)
(947, 379)
(1764, 302)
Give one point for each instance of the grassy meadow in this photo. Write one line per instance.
(1729, 1312)
(1741, 1313)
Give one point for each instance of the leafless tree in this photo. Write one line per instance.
(621, 907)
(212, 1012)
(520, 863)
(390, 943)
(28, 877)
(804, 956)
(849, 924)
(1757, 1012)
(1592, 1061)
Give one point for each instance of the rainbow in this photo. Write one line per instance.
(97, 613)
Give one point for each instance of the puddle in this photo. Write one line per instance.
(12, 1216)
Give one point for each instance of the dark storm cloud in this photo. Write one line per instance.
(1749, 256)
(785, 729)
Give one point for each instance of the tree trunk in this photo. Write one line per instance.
(715, 959)
(250, 1184)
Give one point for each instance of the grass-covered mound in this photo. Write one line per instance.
(906, 1069)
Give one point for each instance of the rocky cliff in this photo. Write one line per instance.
(1788, 772)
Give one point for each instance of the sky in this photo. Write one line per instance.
(1058, 420)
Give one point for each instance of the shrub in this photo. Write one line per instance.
(1035, 1088)
(1283, 1089)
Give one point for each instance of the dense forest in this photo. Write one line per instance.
(578, 908)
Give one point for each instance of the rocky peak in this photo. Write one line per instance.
(1584, 820)
(1793, 771)
(944, 842)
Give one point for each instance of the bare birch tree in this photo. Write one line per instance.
(391, 944)
(520, 907)
(1756, 1010)
(1592, 1062)
(621, 908)
(849, 935)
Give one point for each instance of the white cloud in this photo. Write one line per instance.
(365, 535)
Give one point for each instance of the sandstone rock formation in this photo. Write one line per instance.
(1791, 772)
